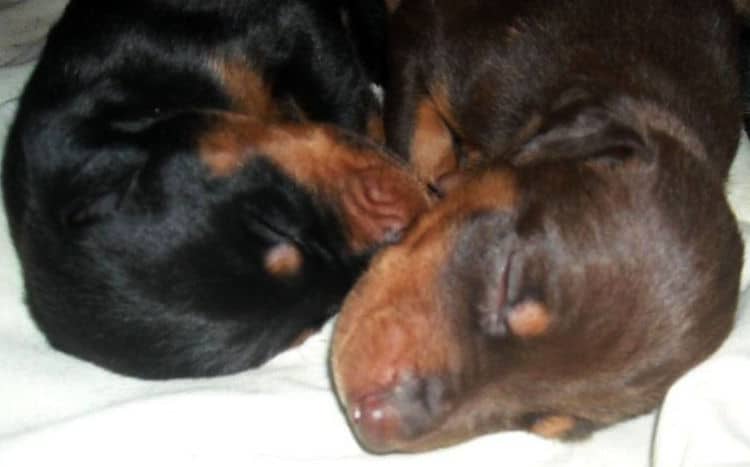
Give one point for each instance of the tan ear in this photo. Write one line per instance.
(379, 204)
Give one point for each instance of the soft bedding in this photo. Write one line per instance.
(57, 410)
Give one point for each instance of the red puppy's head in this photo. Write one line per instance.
(558, 296)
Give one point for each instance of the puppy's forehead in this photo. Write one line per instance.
(490, 191)
(412, 267)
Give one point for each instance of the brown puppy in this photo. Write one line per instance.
(585, 256)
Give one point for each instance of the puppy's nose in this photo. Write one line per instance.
(376, 421)
(412, 407)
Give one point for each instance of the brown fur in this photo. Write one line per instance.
(568, 279)
(743, 7)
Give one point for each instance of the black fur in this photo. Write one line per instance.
(133, 256)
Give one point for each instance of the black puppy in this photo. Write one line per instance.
(174, 211)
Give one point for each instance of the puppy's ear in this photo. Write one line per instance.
(586, 131)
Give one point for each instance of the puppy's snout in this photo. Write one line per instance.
(396, 359)
(409, 408)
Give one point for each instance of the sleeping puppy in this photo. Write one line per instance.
(176, 211)
(583, 256)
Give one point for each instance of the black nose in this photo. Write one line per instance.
(412, 407)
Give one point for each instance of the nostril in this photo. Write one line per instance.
(422, 401)
(376, 421)
(436, 396)
(407, 410)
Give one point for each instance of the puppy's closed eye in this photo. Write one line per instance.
(283, 259)
(271, 224)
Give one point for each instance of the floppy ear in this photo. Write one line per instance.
(586, 131)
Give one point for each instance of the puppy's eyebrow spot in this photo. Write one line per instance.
(529, 319)
(283, 260)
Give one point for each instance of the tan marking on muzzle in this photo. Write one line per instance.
(393, 321)
(396, 319)
(371, 191)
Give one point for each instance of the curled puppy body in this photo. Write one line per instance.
(178, 189)
(583, 256)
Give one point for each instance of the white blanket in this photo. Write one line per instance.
(56, 410)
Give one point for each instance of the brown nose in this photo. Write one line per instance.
(387, 418)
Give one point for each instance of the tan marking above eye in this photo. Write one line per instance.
(284, 260)
(529, 319)
(232, 141)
